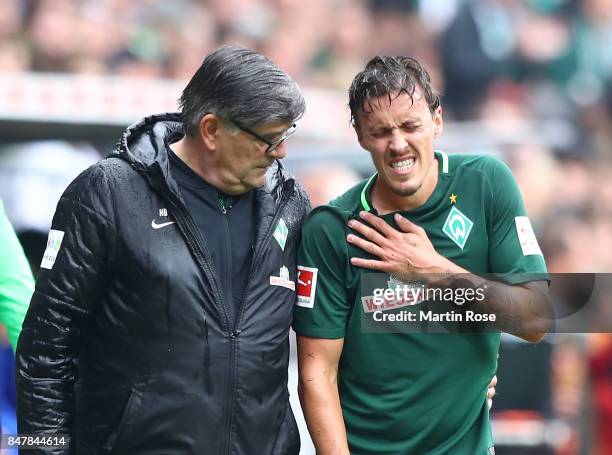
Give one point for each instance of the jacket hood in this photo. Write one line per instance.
(143, 145)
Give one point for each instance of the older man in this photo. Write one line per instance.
(159, 322)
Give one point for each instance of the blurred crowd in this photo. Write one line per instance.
(468, 46)
(503, 63)
(500, 65)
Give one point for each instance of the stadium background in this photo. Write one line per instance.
(527, 80)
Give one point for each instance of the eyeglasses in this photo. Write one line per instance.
(271, 145)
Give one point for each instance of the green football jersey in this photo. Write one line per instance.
(416, 393)
(16, 282)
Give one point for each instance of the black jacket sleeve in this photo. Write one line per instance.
(62, 305)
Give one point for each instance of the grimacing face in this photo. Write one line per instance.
(400, 137)
(244, 161)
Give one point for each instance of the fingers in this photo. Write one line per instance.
(378, 224)
(380, 230)
(491, 391)
(371, 234)
(408, 226)
(368, 247)
(491, 387)
(370, 264)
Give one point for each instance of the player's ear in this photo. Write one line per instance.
(357, 132)
(438, 122)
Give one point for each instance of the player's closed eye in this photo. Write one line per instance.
(380, 134)
(410, 127)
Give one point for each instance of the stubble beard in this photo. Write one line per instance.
(405, 192)
(411, 191)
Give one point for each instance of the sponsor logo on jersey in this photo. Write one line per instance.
(526, 236)
(54, 241)
(280, 233)
(283, 279)
(457, 227)
(307, 286)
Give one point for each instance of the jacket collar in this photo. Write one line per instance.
(143, 145)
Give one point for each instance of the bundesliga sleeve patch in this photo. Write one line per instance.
(526, 236)
(54, 241)
(307, 285)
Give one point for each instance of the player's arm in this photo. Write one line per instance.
(71, 277)
(523, 310)
(324, 304)
(318, 390)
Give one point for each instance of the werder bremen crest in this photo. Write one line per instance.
(458, 227)
(280, 233)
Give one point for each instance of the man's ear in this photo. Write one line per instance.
(209, 129)
(438, 122)
(358, 132)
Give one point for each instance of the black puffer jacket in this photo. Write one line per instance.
(127, 346)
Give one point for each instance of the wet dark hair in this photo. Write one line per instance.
(390, 77)
(241, 85)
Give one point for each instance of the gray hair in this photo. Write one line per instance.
(239, 84)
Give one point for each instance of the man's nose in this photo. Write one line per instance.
(397, 141)
(280, 152)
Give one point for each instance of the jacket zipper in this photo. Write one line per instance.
(233, 336)
(192, 236)
(227, 273)
(233, 340)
